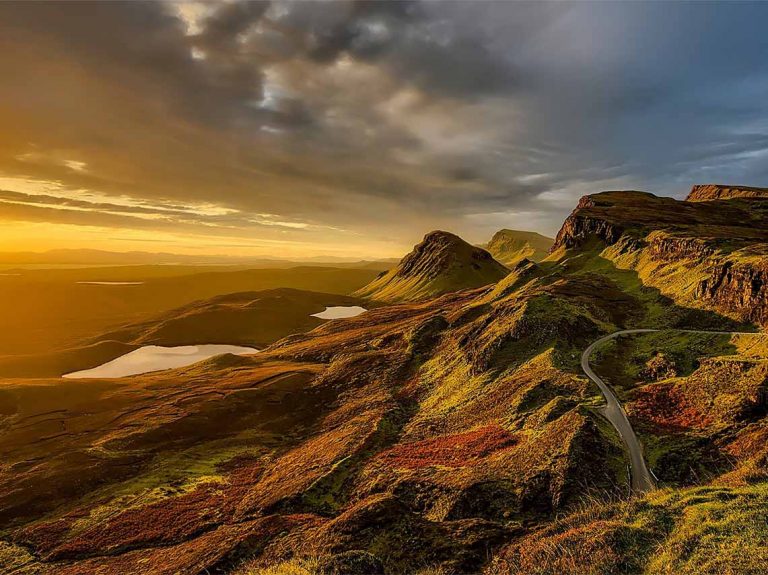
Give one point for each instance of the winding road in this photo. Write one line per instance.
(641, 477)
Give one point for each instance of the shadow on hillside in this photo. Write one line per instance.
(660, 311)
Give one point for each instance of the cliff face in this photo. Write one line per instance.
(741, 289)
(712, 253)
(707, 192)
(577, 228)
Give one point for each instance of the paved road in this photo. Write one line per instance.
(642, 479)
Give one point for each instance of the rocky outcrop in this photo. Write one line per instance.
(722, 241)
(708, 192)
(440, 251)
(669, 248)
(659, 367)
(578, 228)
(740, 289)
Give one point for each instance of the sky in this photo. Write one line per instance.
(351, 129)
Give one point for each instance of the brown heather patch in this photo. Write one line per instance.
(749, 443)
(298, 469)
(458, 450)
(750, 449)
(581, 550)
(46, 535)
(410, 390)
(171, 520)
(212, 552)
(666, 408)
(384, 526)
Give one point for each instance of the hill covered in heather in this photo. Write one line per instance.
(446, 433)
(441, 263)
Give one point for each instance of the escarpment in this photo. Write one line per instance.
(738, 288)
(578, 228)
(710, 253)
(707, 192)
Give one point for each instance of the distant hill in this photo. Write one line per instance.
(441, 263)
(91, 257)
(256, 318)
(44, 310)
(252, 318)
(511, 246)
(707, 192)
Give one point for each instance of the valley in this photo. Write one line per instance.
(477, 417)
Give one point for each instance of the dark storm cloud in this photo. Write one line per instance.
(223, 25)
(434, 53)
(138, 44)
(381, 118)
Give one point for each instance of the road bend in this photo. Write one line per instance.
(641, 478)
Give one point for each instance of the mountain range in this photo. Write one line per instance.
(449, 429)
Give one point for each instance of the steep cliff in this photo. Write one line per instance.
(707, 192)
(711, 254)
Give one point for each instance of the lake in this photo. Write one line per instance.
(156, 358)
(340, 312)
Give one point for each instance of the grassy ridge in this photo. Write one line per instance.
(694, 531)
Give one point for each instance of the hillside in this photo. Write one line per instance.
(441, 263)
(52, 309)
(254, 319)
(711, 254)
(511, 246)
(430, 430)
(698, 401)
(248, 318)
(453, 434)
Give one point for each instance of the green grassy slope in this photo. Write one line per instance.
(695, 531)
(511, 246)
(441, 263)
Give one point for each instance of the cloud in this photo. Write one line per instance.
(342, 120)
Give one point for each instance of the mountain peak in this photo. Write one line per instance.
(511, 246)
(440, 263)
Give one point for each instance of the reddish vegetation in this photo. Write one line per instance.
(750, 443)
(45, 536)
(666, 408)
(582, 549)
(170, 520)
(227, 544)
(459, 450)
